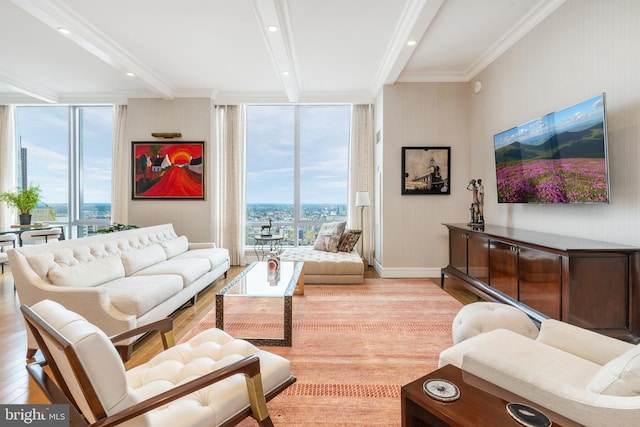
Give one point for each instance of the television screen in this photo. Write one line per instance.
(558, 158)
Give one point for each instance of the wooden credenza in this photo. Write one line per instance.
(591, 284)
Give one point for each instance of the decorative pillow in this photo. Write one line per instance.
(88, 274)
(329, 236)
(619, 377)
(349, 240)
(137, 259)
(176, 246)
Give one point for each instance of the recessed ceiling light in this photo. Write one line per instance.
(272, 28)
(285, 73)
(130, 74)
(63, 30)
(412, 43)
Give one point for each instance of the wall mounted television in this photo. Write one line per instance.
(558, 158)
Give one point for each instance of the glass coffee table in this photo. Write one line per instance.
(257, 281)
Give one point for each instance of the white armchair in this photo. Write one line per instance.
(212, 379)
(582, 375)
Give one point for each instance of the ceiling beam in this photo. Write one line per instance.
(279, 43)
(56, 14)
(416, 18)
(29, 89)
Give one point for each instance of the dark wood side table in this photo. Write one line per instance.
(481, 404)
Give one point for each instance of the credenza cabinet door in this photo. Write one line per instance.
(540, 280)
(478, 257)
(458, 250)
(503, 265)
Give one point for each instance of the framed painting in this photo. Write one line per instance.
(167, 170)
(426, 170)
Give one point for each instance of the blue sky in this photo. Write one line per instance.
(584, 113)
(324, 154)
(44, 131)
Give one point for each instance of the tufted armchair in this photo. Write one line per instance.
(210, 380)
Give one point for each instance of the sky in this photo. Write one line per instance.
(324, 154)
(324, 142)
(44, 132)
(537, 130)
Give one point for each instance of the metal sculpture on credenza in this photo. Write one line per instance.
(477, 206)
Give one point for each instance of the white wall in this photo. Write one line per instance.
(584, 48)
(194, 118)
(413, 241)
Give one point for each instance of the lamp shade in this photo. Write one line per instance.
(362, 199)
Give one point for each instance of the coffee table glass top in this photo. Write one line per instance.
(258, 281)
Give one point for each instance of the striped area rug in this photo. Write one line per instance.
(354, 347)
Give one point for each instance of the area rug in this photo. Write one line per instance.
(354, 347)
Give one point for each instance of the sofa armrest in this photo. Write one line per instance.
(203, 245)
(577, 404)
(581, 342)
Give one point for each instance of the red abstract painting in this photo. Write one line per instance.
(168, 170)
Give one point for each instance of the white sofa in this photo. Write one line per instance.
(120, 280)
(582, 375)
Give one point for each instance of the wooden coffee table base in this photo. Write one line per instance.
(480, 404)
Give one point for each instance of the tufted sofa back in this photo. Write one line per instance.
(92, 260)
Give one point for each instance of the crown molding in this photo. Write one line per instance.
(432, 77)
(511, 37)
(30, 89)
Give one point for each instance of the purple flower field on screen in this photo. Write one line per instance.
(553, 181)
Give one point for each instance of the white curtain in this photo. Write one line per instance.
(120, 190)
(231, 200)
(8, 160)
(361, 172)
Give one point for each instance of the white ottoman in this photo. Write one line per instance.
(479, 317)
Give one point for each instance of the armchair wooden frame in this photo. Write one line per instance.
(53, 384)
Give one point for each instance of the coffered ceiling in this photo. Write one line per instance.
(320, 51)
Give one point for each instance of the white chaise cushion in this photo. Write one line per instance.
(138, 294)
(175, 247)
(207, 351)
(619, 377)
(137, 259)
(88, 274)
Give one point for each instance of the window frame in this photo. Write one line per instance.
(297, 224)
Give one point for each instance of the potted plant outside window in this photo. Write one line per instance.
(24, 200)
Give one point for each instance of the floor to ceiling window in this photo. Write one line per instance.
(66, 150)
(297, 169)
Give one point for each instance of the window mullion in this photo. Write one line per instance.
(296, 175)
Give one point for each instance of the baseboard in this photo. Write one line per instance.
(405, 273)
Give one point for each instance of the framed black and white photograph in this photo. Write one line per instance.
(425, 170)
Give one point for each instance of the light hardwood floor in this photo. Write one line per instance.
(17, 388)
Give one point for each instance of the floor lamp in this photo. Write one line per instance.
(362, 201)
